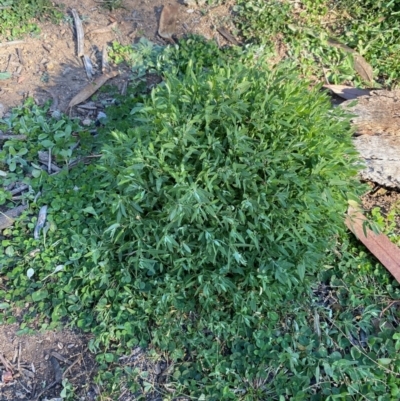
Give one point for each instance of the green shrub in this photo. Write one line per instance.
(226, 193)
(201, 228)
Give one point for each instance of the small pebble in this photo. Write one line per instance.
(86, 122)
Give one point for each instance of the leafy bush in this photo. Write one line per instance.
(226, 193)
(202, 231)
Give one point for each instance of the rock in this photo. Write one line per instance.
(190, 3)
(86, 122)
(377, 125)
(2, 109)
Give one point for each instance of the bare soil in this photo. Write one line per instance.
(32, 367)
(47, 66)
(37, 364)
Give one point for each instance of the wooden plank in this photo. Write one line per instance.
(378, 244)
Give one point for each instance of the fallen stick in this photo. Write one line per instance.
(12, 43)
(378, 244)
(60, 357)
(228, 36)
(6, 364)
(91, 89)
(88, 66)
(71, 366)
(79, 34)
(105, 66)
(19, 189)
(106, 29)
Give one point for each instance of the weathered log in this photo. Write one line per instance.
(377, 135)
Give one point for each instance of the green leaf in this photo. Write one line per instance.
(39, 295)
(384, 361)
(5, 75)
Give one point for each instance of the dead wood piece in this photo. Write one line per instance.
(19, 356)
(6, 364)
(347, 92)
(45, 159)
(88, 106)
(7, 219)
(49, 162)
(167, 24)
(376, 114)
(77, 360)
(85, 160)
(376, 119)
(363, 68)
(51, 385)
(15, 355)
(19, 189)
(378, 244)
(12, 43)
(91, 88)
(26, 389)
(227, 35)
(79, 34)
(20, 56)
(60, 357)
(360, 64)
(88, 66)
(124, 88)
(106, 29)
(105, 66)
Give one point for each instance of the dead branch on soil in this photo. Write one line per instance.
(91, 89)
(79, 34)
(378, 244)
(12, 43)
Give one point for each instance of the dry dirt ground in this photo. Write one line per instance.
(33, 367)
(47, 66)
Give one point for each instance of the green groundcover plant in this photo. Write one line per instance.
(17, 16)
(370, 27)
(202, 231)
